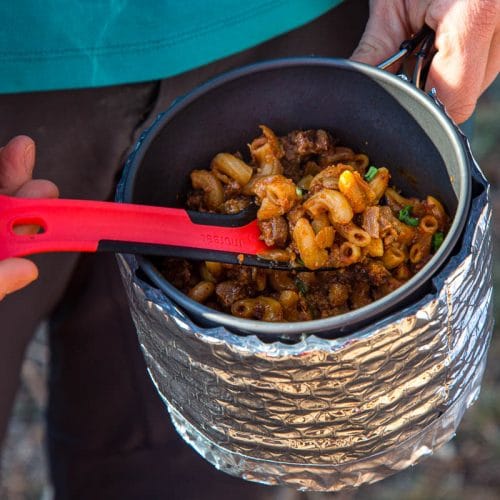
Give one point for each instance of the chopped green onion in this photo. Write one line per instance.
(299, 192)
(313, 310)
(301, 286)
(371, 173)
(437, 240)
(405, 216)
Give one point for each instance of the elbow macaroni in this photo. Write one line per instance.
(210, 185)
(310, 252)
(369, 236)
(334, 203)
(228, 167)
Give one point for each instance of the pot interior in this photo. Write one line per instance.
(367, 109)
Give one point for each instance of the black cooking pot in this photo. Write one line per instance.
(368, 109)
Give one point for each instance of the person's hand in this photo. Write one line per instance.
(467, 39)
(17, 160)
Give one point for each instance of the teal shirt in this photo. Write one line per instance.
(63, 44)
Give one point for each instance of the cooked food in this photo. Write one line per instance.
(320, 205)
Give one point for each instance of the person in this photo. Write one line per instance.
(467, 41)
(85, 105)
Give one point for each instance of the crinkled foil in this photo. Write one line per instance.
(327, 414)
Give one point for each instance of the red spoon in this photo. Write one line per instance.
(95, 226)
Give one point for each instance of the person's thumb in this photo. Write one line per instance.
(16, 274)
(381, 39)
(17, 159)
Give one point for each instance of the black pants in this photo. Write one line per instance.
(109, 435)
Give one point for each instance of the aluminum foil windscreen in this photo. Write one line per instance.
(327, 414)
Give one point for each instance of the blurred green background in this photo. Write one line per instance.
(468, 467)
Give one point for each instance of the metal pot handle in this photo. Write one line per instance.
(424, 41)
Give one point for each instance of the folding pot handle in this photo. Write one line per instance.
(424, 41)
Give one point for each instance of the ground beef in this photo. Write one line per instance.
(229, 292)
(241, 274)
(300, 144)
(231, 189)
(235, 205)
(195, 200)
(292, 169)
(377, 272)
(179, 272)
(274, 231)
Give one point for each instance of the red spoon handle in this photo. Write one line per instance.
(81, 226)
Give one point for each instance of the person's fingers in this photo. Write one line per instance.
(16, 274)
(389, 24)
(468, 57)
(17, 159)
(458, 71)
(493, 66)
(38, 188)
(376, 44)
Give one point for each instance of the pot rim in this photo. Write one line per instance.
(351, 320)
